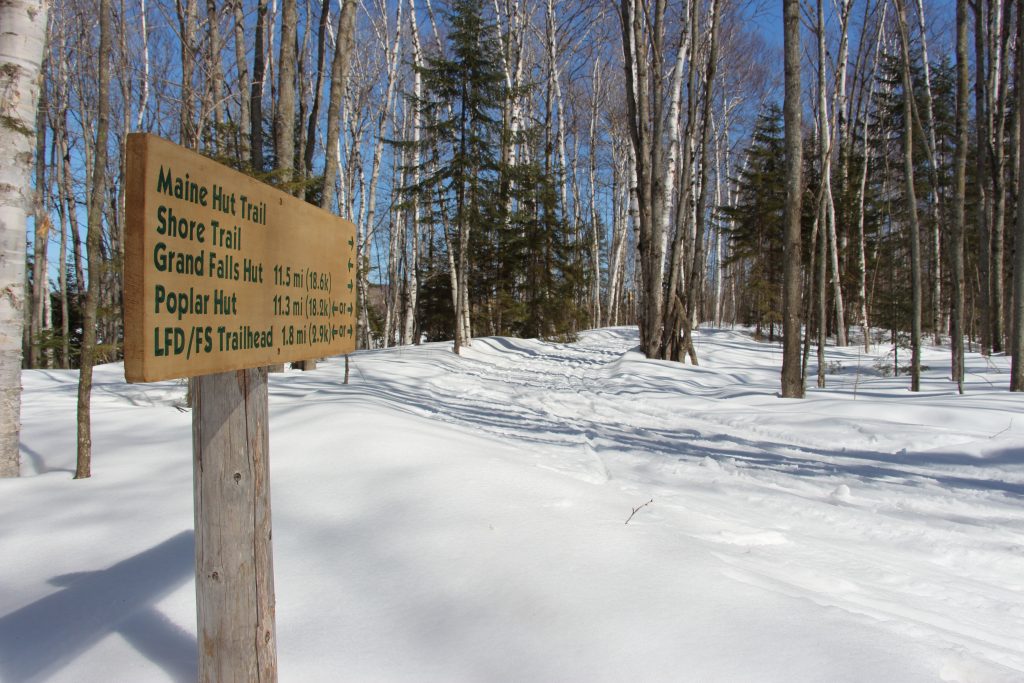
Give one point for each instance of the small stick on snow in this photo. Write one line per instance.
(638, 509)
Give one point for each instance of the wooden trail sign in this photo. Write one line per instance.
(223, 272)
(223, 276)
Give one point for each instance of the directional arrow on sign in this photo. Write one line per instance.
(351, 244)
(349, 285)
(350, 265)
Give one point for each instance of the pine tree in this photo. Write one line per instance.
(501, 221)
(541, 271)
(756, 218)
(460, 106)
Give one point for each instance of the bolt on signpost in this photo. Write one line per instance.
(225, 275)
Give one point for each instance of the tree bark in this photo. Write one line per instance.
(188, 130)
(314, 111)
(915, 230)
(595, 232)
(998, 89)
(40, 281)
(344, 37)
(1017, 333)
(792, 381)
(643, 46)
(21, 55)
(94, 246)
(957, 229)
(827, 215)
(284, 118)
(410, 330)
(981, 166)
(256, 94)
(244, 86)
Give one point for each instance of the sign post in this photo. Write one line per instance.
(225, 275)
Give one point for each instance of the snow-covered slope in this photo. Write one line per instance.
(447, 518)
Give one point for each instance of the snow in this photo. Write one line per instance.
(446, 518)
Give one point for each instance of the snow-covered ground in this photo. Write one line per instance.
(447, 518)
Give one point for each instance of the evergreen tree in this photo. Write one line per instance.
(514, 264)
(463, 91)
(756, 233)
(542, 272)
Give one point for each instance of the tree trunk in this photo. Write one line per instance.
(188, 129)
(344, 37)
(697, 276)
(915, 230)
(957, 229)
(827, 212)
(982, 166)
(998, 88)
(1017, 335)
(314, 111)
(213, 99)
(792, 381)
(67, 224)
(384, 117)
(410, 331)
(144, 36)
(94, 245)
(643, 47)
(678, 163)
(21, 55)
(284, 117)
(40, 281)
(244, 86)
(862, 292)
(256, 95)
(595, 232)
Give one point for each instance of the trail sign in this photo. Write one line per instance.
(223, 272)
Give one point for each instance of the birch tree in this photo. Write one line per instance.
(643, 46)
(21, 55)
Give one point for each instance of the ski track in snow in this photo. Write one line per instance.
(905, 511)
(841, 492)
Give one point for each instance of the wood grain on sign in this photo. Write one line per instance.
(223, 272)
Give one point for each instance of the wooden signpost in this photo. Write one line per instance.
(225, 275)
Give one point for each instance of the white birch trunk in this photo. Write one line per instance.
(595, 235)
(21, 55)
(674, 151)
(931, 150)
(368, 227)
(411, 305)
(144, 95)
(825, 156)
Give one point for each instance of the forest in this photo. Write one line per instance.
(839, 173)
